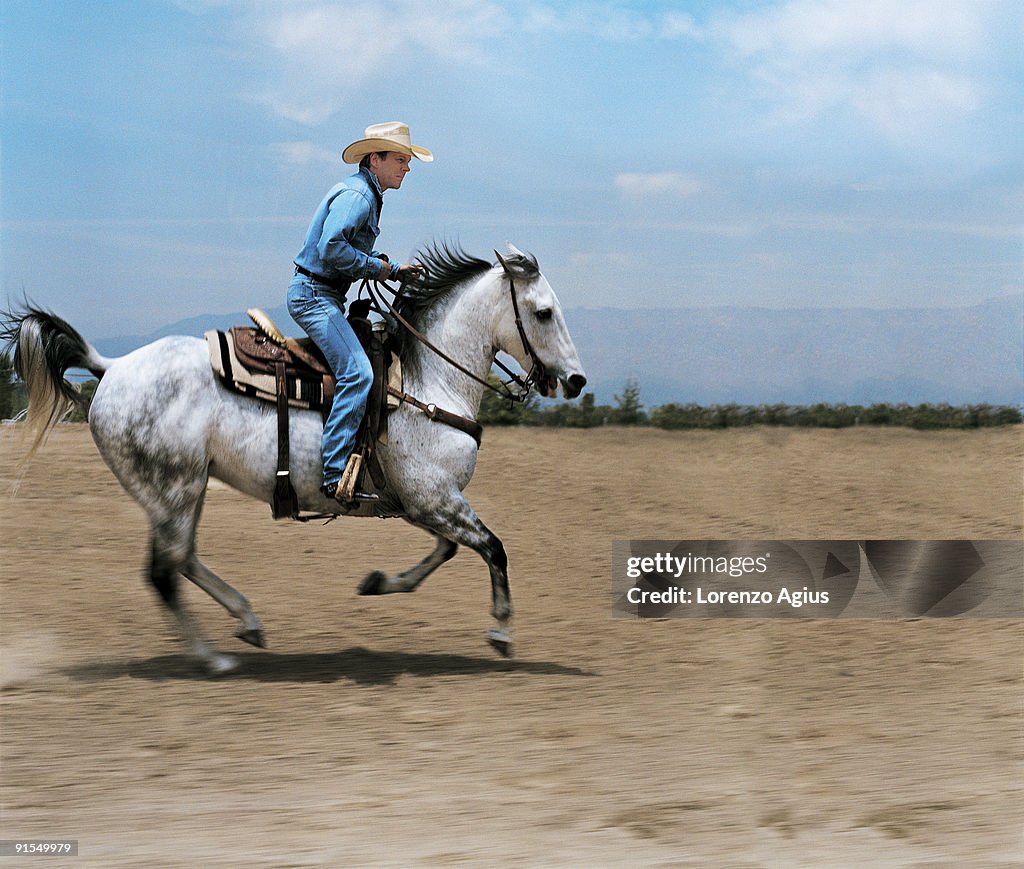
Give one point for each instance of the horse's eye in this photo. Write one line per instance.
(544, 314)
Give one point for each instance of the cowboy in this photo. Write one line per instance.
(339, 250)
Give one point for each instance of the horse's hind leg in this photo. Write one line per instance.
(250, 630)
(174, 502)
(151, 422)
(380, 582)
(171, 549)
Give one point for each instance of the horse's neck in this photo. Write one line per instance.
(463, 328)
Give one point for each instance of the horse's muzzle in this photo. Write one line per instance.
(574, 385)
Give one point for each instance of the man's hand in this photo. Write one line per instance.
(409, 273)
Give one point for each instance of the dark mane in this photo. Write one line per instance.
(445, 266)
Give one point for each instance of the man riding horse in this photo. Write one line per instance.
(165, 422)
(337, 251)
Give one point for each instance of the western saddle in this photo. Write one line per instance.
(262, 363)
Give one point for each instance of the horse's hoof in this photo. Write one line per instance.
(221, 665)
(500, 641)
(252, 636)
(373, 583)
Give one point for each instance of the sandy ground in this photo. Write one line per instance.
(383, 731)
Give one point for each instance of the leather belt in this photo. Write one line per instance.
(334, 285)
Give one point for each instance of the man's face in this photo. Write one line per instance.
(390, 169)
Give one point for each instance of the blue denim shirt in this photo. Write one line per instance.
(339, 243)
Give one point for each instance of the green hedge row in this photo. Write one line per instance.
(718, 416)
(920, 416)
(628, 410)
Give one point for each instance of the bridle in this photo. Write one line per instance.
(537, 372)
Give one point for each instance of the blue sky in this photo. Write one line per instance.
(162, 159)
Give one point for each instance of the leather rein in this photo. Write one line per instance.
(525, 384)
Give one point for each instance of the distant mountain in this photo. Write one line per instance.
(765, 355)
(197, 326)
(802, 356)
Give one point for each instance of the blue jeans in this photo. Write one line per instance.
(320, 310)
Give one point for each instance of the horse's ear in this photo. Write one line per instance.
(519, 264)
(514, 251)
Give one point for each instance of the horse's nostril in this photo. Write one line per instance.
(576, 382)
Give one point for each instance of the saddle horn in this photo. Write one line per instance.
(267, 326)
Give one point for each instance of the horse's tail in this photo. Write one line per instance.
(44, 347)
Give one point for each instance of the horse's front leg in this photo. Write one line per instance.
(460, 524)
(380, 582)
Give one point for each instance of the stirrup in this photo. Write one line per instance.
(332, 492)
(363, 496)
(350, 478)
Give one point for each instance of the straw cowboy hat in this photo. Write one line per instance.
(390, 136)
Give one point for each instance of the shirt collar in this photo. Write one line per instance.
(373, 180)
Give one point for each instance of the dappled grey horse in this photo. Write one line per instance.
(165, 424)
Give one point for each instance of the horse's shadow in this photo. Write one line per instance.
(359, 665)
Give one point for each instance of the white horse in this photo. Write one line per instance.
(165, 424)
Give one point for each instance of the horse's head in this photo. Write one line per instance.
(533, 330)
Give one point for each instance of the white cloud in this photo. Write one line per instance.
(305, 153)
(812, 28)
(674, 184)
(900, 102)
(678, 25)
(606, 22)
(315, 56)
(905, 68)
(902, 68)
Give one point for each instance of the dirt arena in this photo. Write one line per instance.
(383, 731)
